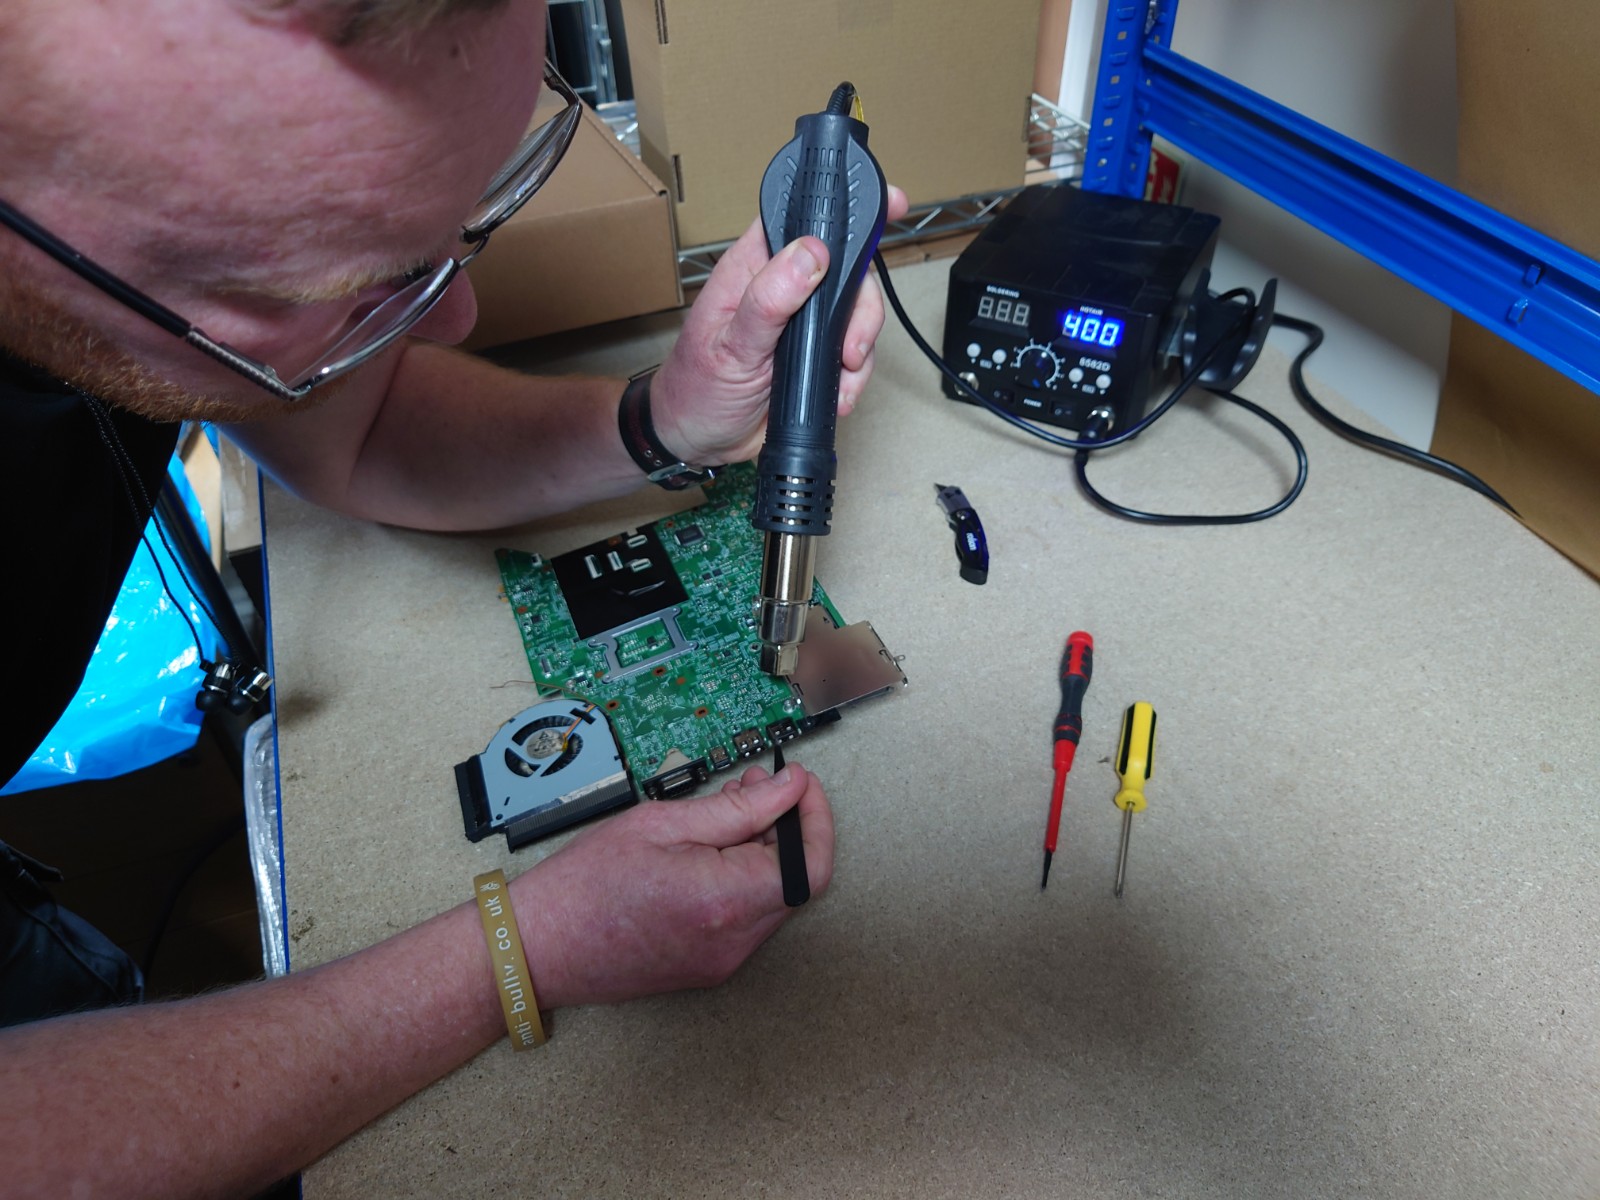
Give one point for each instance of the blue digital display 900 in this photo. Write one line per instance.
(1091, 328)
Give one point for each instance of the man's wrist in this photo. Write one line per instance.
(509, 963)
(636, 425)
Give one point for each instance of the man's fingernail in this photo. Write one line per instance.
(807, 261)
(785, 775)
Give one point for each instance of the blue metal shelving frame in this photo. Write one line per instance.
(1530, 289)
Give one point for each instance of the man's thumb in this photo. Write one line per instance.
(739, 811)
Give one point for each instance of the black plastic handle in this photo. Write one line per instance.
(1077, 667)
(826, 184)
(972, 547)
(791, 849)
(972, 544)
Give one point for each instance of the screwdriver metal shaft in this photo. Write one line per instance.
(1122, 849)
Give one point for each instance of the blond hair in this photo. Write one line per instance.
(378, 22)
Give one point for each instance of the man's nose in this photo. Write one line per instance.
(452, 318)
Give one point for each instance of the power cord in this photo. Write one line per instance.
(1088, 442)
(1081, 462)
(123, 466)
(1297, 382)
(233, 682)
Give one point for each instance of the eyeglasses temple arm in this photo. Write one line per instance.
(94, 273)
(235, 361)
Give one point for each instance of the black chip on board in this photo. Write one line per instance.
(617, 581)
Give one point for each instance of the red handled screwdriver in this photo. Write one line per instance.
(1077, 664)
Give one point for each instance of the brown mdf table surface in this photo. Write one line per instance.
(1358, 949)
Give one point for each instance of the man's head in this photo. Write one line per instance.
(266, 169)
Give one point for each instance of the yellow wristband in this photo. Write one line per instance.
(510, 965)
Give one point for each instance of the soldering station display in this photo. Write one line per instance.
(1085, 326)
(1071, 302)
(1003, 311)
(1091, 327)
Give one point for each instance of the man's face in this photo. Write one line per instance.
(267, 186)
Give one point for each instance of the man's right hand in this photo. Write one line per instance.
(670, 894)
(709, 399)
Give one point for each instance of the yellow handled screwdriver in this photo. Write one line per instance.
(1135, 753)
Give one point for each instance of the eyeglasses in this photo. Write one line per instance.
(526, 171)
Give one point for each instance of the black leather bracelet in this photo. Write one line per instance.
(639, 438)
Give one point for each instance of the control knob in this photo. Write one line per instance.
(1037, 366)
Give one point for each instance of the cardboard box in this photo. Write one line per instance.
(1528, 95)
(594, 244)
(945, 85)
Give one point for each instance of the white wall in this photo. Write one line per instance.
(1382, 72)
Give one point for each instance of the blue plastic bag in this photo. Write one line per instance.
(136, 704)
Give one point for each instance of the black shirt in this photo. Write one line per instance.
(77, 478)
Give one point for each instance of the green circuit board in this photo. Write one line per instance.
(656, 628)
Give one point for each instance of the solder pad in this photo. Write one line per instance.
(655, 627)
